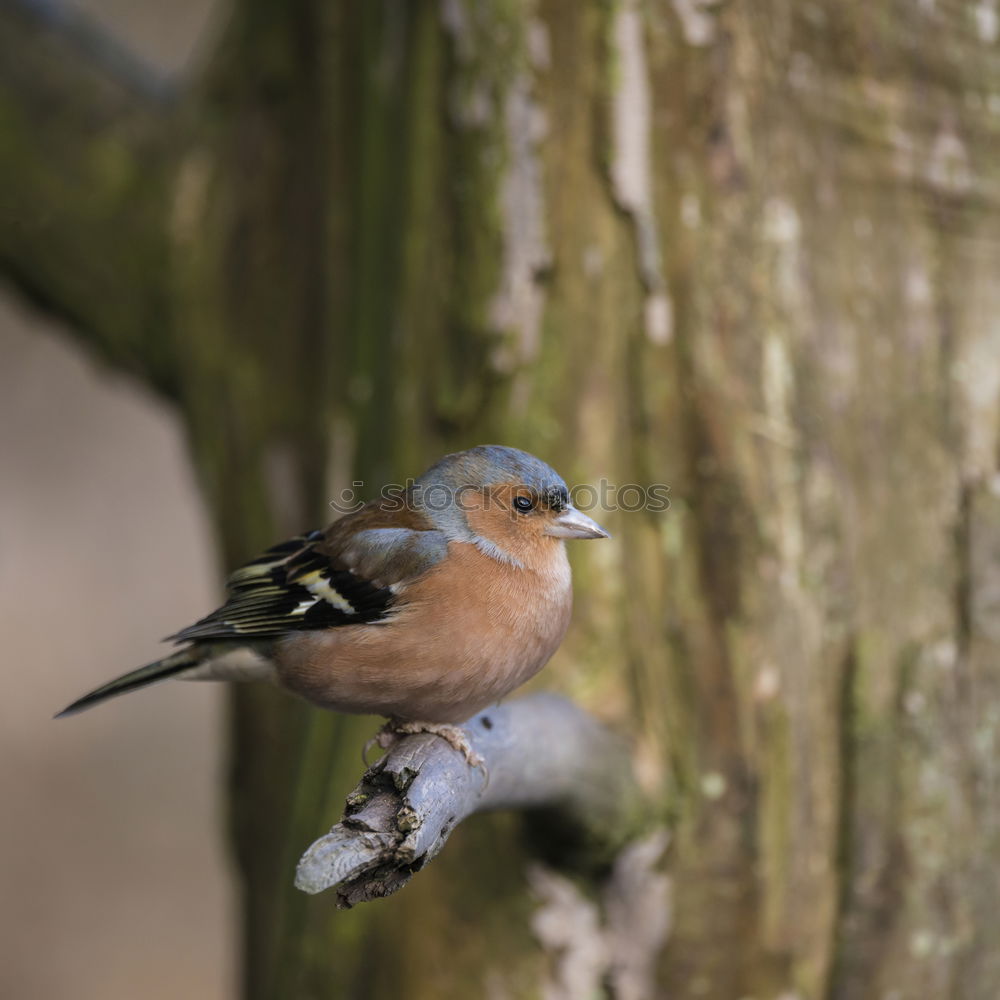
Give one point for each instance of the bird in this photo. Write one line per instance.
(425, 605)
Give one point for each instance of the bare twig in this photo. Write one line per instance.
(541, 753)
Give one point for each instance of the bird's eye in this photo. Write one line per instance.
(523, 504)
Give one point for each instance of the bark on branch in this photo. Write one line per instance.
(542, 754)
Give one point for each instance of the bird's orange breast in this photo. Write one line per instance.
(465, 634)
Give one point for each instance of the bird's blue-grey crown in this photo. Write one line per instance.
(489, 464)
(485, 465)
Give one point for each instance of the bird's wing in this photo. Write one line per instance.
(348, 575)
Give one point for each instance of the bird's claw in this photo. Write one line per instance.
(394, 730)
(376, 740)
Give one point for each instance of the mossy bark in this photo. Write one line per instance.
(748, 250)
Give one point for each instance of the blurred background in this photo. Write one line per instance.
(111, 842)
(251, 254)
(113, 872)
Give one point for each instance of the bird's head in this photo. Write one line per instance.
(509, 503)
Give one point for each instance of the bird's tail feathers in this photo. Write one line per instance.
(169, 666)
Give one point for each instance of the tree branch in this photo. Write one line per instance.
(542, 754)
(101, 49)
(86, 159)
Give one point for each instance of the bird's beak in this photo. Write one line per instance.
(572, 524)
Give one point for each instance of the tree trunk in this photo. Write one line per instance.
(744, 249)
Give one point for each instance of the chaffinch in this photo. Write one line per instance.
(425, 606)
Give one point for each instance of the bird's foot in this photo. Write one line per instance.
(454, 736)
(395, 729)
